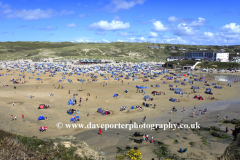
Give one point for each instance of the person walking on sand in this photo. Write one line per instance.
(11, 117)
(22, 116)
(183, 109)
(100, 131)
(15, 117)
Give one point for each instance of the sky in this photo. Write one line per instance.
(194, 22)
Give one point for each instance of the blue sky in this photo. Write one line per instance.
(200, 22)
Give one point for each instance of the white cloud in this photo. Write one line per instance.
(209, 34)
(83, 40)
(158, 26)
(81, 15)
(199, 22)
(31, 14)
(71, 25)
(153, 34)
(142, 39)
(124, 34)
(231, 28)
(172, 19)
(105, 41)
(114, 25)
(117, 5)
(184, 30)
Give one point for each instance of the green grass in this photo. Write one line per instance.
(117, 50)
(13, 146)
(192, 144)
(175, 141)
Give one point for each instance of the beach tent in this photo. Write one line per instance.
(218, 87)
(107, 112)
(193, 87)
(41, 118)
(176, 81)
(42, 106)
(115, 95)
(186, 79)
(178, 89)
(147, 97)
(68, 112)
(195, 97)
(70, 102)
(179, 92)
(72, 120)
(69, 80)
(200, 98)
(77, 118)
(101, 111)
(78, 74)
(132, 107)
(141, 87)
(172, 100)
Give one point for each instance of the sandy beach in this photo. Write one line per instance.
(102, 96)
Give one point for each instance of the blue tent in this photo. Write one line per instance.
(72, 120)
(78, 74)
(141, 87)
(105, 78)
(69, 80)
(115, 95)
(132, 107)
(68, 112)
(70, 102)
(186, 79)
(116, 78)
(41, 118)
(218, 87)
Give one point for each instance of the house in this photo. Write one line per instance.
(182, 49)
(150, 47)
(36, 59)
(173, 51)
(153, 47)
(207, 55)
(222, 57)
(221, 50)
(202, 49)
(174, 58)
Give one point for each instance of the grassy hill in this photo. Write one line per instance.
(117, 50)
(14, 146)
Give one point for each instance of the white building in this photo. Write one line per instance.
(207, 55)
(222, 57)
